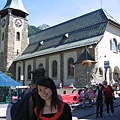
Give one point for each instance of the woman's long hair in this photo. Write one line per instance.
(49, 83)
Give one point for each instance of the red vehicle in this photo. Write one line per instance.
(70, 98)
(74, 98)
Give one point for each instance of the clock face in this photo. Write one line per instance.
(18, 22)
(3, 22)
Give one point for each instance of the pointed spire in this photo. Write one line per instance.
(15, 4)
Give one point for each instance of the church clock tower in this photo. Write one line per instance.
(13, 32)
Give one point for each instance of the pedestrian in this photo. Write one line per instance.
(85, 96)
(33, 99)
(118, 83)
(49, 106)
(109, 95)
(81, 94)
(99, 100)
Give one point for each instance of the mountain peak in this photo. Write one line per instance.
(32, 29)
(43, 27)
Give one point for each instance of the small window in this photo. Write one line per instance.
(18, 36)
(114, 45)
(119, 47)
(100, 71)
(3, 36)
(19, 73)
(29, 72)
(110, 44)
(71, 67)
(54, 69)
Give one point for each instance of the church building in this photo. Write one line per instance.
(80, 51)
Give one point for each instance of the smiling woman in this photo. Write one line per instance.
(49, 105)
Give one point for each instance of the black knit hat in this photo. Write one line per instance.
(38, 72)
(100, 84)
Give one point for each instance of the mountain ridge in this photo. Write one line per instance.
(33, 29)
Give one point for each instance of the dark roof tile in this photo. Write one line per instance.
(78, 29)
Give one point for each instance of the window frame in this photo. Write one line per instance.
(70, 67)
(54, 69)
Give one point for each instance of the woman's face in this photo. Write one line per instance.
(44, 92)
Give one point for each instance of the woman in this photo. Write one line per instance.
(109, 95)
(49, 106)
(99, 100)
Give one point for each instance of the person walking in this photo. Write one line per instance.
(109, 95)
(49, 106)
(85, 96)
(33, 99)
(99, 100)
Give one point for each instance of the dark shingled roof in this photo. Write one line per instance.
(84, 30)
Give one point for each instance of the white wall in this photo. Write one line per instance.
(104, 52)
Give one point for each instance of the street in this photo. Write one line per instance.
(88, 113)
(116, 115)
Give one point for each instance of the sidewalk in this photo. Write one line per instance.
(79, 113)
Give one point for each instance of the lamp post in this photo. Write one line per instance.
(87, 75)
(86, 63)
(86, 67)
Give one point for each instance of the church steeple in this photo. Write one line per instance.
(16, 6)
(13, 32)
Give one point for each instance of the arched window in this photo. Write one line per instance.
(18, 36)
(54, 69)
(114, 45)
(40, 65)
(71, 67)
(29, 72)
(110, 44)
(100, 71)
(119, 47)
(3, 36)
(19, 73)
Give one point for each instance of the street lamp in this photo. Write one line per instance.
(86, 67)
(87, 62)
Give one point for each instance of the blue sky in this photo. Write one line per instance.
(53, 12)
